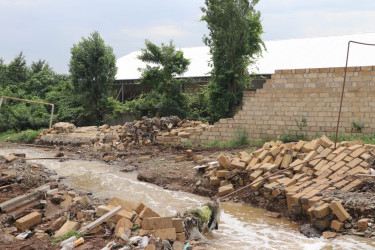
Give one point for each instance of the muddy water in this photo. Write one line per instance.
(241, 227)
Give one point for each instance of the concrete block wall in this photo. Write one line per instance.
(293, 94)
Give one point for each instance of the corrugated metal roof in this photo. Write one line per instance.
(318, 52)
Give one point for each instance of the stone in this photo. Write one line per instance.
(139, 207)
(67, 227)
(337, 225)
(122, 225)
(224, 160)
(329, 235)
(189, 154)
(221, 173)
(339, 211)
(166, 233)
(154, 223)
(110, 158)
(68, 200)
(150, 247)
(224, 190)
(321, 211)
(178, 245)
(10, 158)
(238, 164)
(181, 237)
(147, 213)
(143, 158)
(179, 158)
(27, 221)
(363, 223)
(272, 214)
(177, 223)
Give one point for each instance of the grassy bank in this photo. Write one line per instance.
(27, 136)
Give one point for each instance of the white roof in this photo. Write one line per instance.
(318, 52)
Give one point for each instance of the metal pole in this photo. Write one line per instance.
(343, 85)
(25, 100)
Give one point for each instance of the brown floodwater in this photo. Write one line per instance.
(241, 226)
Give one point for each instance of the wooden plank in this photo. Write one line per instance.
(100, 220)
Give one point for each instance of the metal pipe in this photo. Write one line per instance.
(25, 100)
(281, 171)
(343, 85)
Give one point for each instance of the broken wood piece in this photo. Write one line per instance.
(21, 198)
(100, 220)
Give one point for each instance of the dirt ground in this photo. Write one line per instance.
(157, 164)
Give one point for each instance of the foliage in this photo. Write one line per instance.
(234, 41)
(27, 136)
(165, 97)
(93, 70)
(69, 234)
(241, 138)
(198, 106)
(293, 136)
(358, 126)
(366, 138)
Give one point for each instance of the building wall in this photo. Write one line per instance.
(293, 94)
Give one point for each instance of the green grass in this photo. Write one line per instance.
(158, 162)
(366, 138)
(27, 136)
(69, 234)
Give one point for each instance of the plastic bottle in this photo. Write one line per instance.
(69, 240)
(144, 242)
(68, 246)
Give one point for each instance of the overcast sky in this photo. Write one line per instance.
(47, 29)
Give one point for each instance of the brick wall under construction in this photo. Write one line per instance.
(293, 94)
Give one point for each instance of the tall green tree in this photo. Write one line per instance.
(234, 41)
(165, 97)
(93, 70)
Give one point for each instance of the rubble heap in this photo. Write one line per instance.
(33, 207)
(169, 130)
(301, 188)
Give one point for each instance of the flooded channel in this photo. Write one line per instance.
(241, 226)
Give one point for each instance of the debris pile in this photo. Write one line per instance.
(165, 130)
(35, 211)
(313, 175)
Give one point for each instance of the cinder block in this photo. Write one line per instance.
(339, 211)
(28, 221)
(337, 225)
(177, 223)
(154, 223)
(147, 213)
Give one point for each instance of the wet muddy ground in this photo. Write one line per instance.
(242, 225)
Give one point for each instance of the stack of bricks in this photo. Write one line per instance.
(300, 187)
(183, 134)
(288, 95)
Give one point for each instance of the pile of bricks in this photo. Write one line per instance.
(144, 218)
(165, 130)
(300, 186)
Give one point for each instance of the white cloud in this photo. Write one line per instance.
(164, 31)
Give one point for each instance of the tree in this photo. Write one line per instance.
(165, 97)
(234, 42)
(93, 70)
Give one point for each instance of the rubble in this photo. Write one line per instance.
(301, 176)
(50, 212)
(165, 130)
